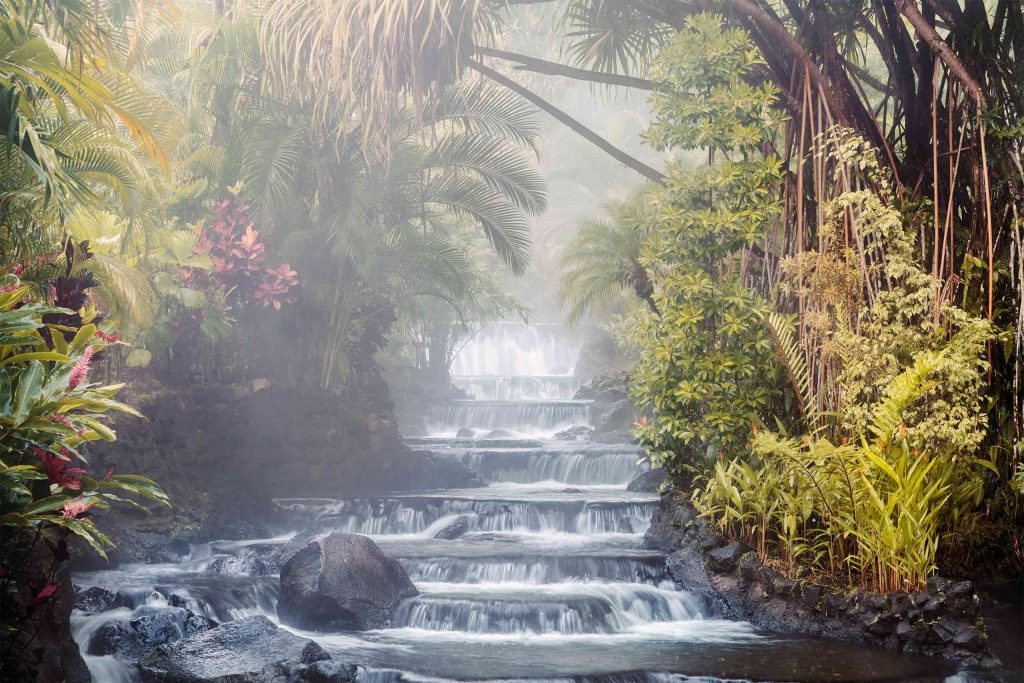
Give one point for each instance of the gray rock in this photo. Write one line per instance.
(325, 671)
(649, 481)
(95, 599)
(147, 627)
(464, 433)
(724, 559)
(341, 582)
(810, 595)
(689, 572)
(574, 433)
(749, 564)
(881, 625)
(247, 562)
(454, 530)
(904, 630)
(251, 650)
(968, 637)
(834, 604)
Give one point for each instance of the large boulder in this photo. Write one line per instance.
(251, 650)
(341, 582)
(649, 481)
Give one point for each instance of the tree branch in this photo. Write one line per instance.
(543, 66)
(605, 146)
(909, 9)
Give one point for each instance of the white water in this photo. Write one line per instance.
(549, 581)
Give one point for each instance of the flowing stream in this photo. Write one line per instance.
(550, 579)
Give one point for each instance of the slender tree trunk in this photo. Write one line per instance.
(586, 133)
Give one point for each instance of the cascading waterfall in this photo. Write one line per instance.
(546, 577)
(519, 379)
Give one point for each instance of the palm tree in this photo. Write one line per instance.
(603, 259)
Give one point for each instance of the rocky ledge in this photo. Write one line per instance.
(943, 620)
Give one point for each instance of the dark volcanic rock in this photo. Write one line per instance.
(724, 559)
(454, 530)
(251, 650)
(341, 582)
(95, 599)
(325, 671)
(146, 628)
(649, 481)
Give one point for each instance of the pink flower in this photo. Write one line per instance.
(75, 510)
(109, 338)
(81, 368)
(57, 470)
(57, 418)
(17, 269)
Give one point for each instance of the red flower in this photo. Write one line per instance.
(81, 368)
(57, 470)
(75, 510)
(109, 338)
(47, 592)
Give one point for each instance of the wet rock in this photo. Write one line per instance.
(899, 603)
(834, 604)
(968, 637)
(454, 530)
(783, 586)
(325, 671)
(96, 599)
(572, 489)
(904, 630)
(749, 564)
(465, 433)
(724, 559)
(146, 628)
(499, 434)
(247, 562)
(937, 584)
(650, 481)
(934, 608)
(617, 416)
(810, 595)
(574, 433)
(248, 650)
(960, 589)
(341, 582)
(881, 625)
(942, 632)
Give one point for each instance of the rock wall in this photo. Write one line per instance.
(943, 620)
(223, 454)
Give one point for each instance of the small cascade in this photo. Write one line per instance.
(573, 463)
(514, 417)
(518, 388)
(417, 515)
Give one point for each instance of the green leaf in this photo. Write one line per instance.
(85, 333)
(48, 504)
(29, 383)
(37, 355)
